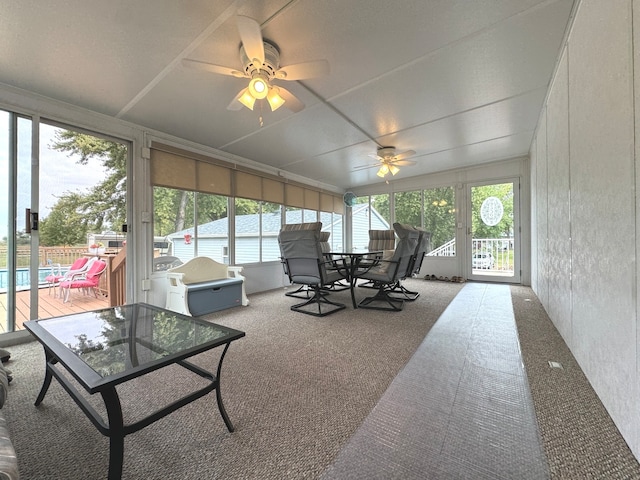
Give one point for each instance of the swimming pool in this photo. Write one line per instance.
(23, 277)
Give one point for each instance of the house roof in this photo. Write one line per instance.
(250, 224)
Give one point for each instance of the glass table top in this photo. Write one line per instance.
(117, 341)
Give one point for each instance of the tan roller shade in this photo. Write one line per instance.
(272, 191)
(248, 186)
(213, 179)
(175, 168)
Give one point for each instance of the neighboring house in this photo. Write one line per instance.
(213, 237)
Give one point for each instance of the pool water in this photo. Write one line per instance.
(23, 277)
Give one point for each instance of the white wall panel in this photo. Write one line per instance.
(558, 208)
(541, 212)
(634, 438)
(533, 155)
(602, 217)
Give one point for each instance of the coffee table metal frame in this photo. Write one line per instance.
(57, 352)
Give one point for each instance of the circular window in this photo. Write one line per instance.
(491, 211)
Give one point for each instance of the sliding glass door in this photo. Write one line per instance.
(62, 190)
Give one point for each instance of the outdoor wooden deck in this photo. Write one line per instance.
(50, 306)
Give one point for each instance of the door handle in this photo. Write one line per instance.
(31, 220)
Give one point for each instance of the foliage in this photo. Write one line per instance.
(67, 224)
(103, 207)
(408, 208)
(439, 211)
(440, 215)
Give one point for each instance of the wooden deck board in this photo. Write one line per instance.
(49, 306)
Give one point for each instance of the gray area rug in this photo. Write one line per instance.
(460, 408)
(296, 388)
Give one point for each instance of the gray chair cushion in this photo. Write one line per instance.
(388, 271)
(4, 386)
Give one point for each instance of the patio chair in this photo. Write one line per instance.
(306, 265)
(85, 282)
(56, 275)
(384, 240)
(302, 291)
(387, 272)
(423, 246)
(325, 246)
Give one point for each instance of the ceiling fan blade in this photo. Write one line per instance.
(364, 167)
(290, 100)
(403, 155)
(210, 67)
(251, 38)
(235, 103)
(403, 163)
(375, 156)
(300, 71)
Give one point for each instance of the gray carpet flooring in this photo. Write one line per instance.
(579, 438)
(297, 389)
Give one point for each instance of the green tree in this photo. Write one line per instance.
(104, 206)
(67, 224)
(440, 215)
(381, 204)
(408, 208)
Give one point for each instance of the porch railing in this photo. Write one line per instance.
(501, 250)
(112, 283)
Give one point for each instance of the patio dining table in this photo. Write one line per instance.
(356, 262)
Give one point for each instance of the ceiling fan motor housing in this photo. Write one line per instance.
(387, 152)
(270, 65)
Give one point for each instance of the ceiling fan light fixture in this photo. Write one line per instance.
(258, 87)
(274, 99)
(393, 169)
(384, 169)
(247, 100)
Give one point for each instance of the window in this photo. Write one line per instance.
(408, 208)
(271, 223)
(257, 228)
(368, 213)
(192, 223)
(440, 220)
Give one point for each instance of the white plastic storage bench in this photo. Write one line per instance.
(202, 286)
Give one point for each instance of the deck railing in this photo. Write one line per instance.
(112, 283)
(65, 256)
(501, 250)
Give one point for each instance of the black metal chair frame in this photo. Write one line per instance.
(398, 290)
(317, 292)
(306, 265)
(398, 265)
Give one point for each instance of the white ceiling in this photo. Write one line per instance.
(461, 82)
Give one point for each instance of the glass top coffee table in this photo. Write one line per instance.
(104, 348)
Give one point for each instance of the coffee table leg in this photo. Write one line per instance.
(353, 280)
(116, 433)
(47, 379)
(223, 412)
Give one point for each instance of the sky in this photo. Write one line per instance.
(59, 173)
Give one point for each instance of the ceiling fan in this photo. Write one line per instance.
(389, 161)
(261, 64)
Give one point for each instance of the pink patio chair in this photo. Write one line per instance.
(86, 282)
(56, 275)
